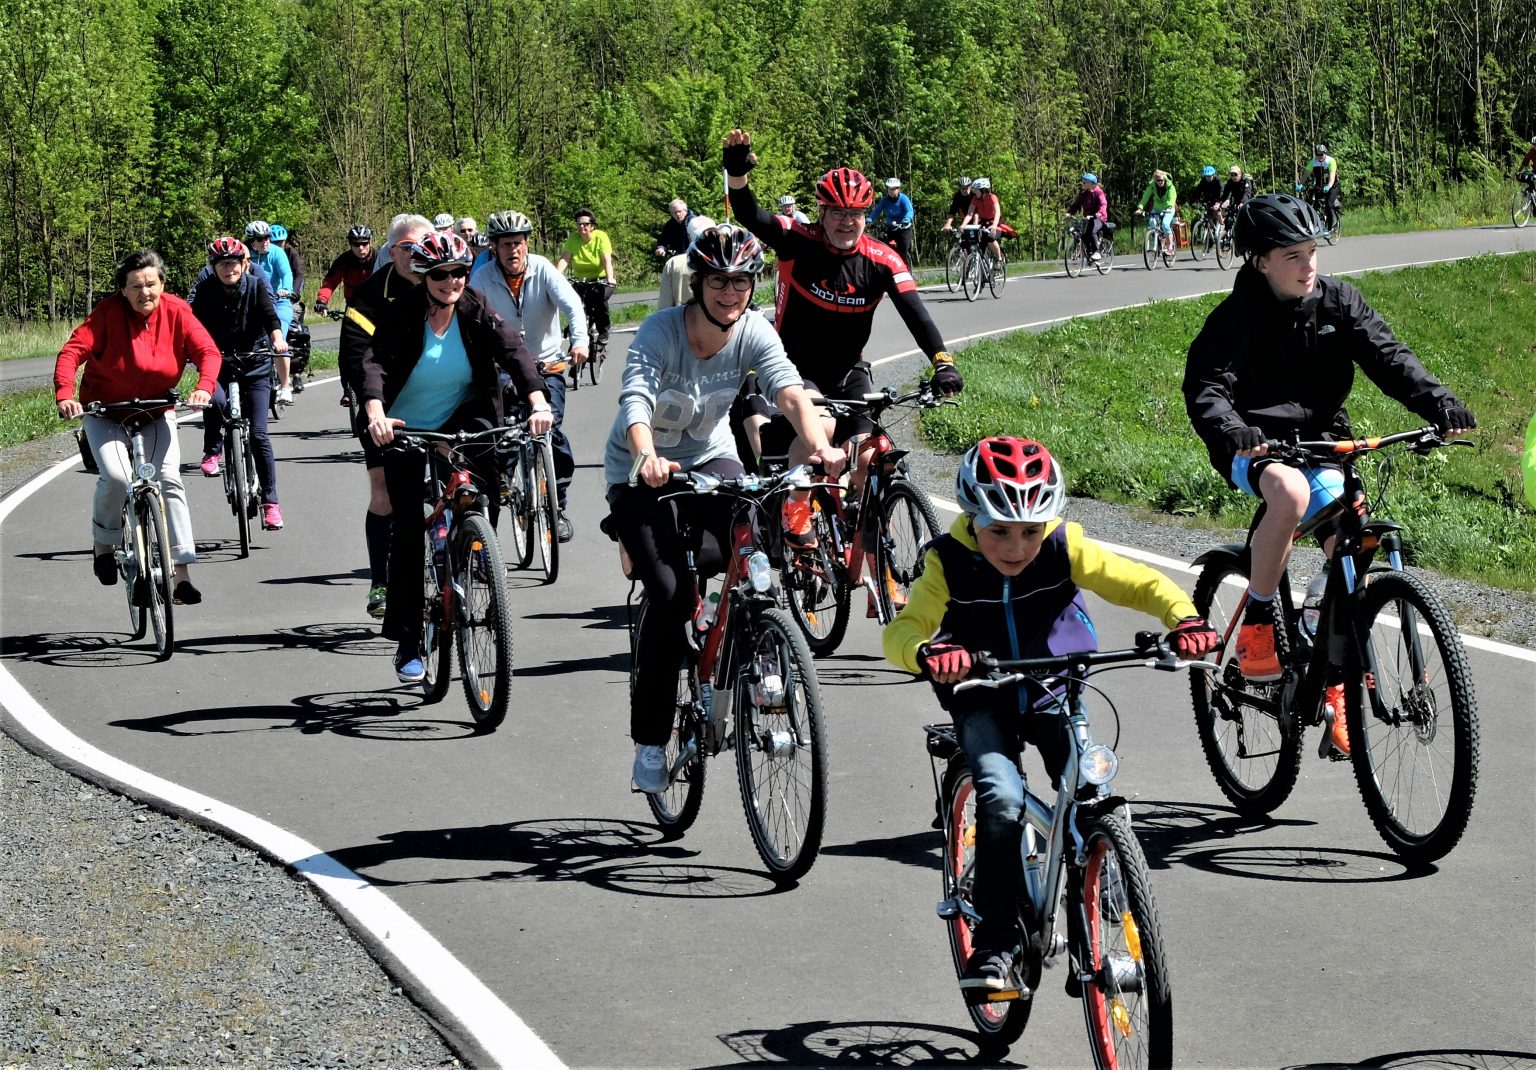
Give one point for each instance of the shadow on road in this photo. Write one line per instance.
(621, 856)
(397, 715)
(920, 849)
(824, 1043)
(612, 618)
(78, 650)
(1436, 1059)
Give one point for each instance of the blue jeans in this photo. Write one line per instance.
(565, 460)
(990, 740)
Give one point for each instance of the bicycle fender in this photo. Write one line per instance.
(1236, 550)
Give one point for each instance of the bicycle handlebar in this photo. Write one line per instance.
(747, 486)
(1151, 650)
(417, 440)
(880, 401)
(1424, 439)
(171, 397)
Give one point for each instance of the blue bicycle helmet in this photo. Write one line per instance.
(1207, 171)
(1089, 176)
(279, 232)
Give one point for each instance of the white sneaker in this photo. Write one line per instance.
(284, 396)
(650, 770)
(1094, 257)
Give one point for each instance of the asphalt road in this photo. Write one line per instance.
(1297, 942)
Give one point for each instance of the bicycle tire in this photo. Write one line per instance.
(1149, 249)
(131, 556)
(1522, 209)
(1170, 254)
(997, 279)
(999, 1023)
(436, 631)
(1127, 1002)
(595, 363)
(908, 523)
(781, 750)
(1076, 260)
(273, 408)
(676, 808)
(1418, 791)
(1106, 259)
(546, 508)
(1224, 250)
(816, 581)
(1254, 755)
(953, 264)
(239, 489)
(970, 277)
(484, 624)
(1197, 236)
(522, 505)
(1335, 228)
(162, 573)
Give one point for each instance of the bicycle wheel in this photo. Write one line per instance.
(1198, 232)
(1106, 258)
(970, 277)
(131, 556)
(521, 503)
(954, 263)
(595, 363)
(781, 752)
(1126, 999)
(1149, 249)
(1000, 1022)
(546, 508)
(1335, 226)
(816, 581)
(908, 522)
(1076, 259)
(1224, 250)
(1253, 749)
(274, 410)
(436, 630)
(484, 624)
(676, 808)
(1414, 748)
(997, 279)
(237, 481)
(1522, 209)
(1170, 248)
(161, 574)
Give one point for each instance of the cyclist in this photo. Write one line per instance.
(788, 210)
(1208, 192)
(1528, 161)
(986, 212)
(466, 227)
(442, 222)
(134, 344)
(673, 240)
(237, 309)
(364, 305)
(894, 212)
(1094, 206)
(1161, 200)
(1275, 359)
(685, 367)
(290, 248)
(1237, 192)
(431, 363)
(588, 254)
(676, 275)
(1009, 577)
(959, 204)
(350, 269)
(1325, 179)
(526, 291)
(832, 276)
(273, 264)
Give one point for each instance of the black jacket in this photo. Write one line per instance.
(674, 235)
(1286, 367)
(240, 322)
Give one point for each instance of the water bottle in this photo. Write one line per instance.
(704, 616)
(1311, 605)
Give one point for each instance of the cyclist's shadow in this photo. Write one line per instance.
(858, 1043)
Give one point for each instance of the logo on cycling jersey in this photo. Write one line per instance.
(823, 291)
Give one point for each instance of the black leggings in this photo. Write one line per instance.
(648, 528)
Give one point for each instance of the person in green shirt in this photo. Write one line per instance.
(588, 255)
(1159, 201)
(1528, 465)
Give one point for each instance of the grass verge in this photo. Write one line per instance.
(1104, 394)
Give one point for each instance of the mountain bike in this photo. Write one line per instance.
(1205, 234)
(747, 683)
(531, 498)
(1411, 713)
(1226, 251)
(892, 521)
(1524, 206)
(1088, 890)
(242, 488)
(1332, 217)
(1157, 243)
(144, 554)
(983, 268)
(1075, 247)
(594, 294)
(464, 579)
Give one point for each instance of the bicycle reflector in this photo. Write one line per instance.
(760, 572)
(1097, 764)
(148, 471)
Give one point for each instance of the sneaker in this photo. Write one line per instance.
(105, 567)
(298, 384)
(271, 517)
(284, 396)
(563, 530)
(1094, 258)
(408, 666)
(376, 598)
(1333, 713)
(186, 595)
(650, 769)
(1256, 658)
(897, 596)
(796, 516)
(990, 970)
(210, 465)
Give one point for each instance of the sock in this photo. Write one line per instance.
(1260, 609)
(376, 532)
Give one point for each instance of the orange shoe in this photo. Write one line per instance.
(797, 524)
(897, 596)
(1333, 706)
(1256, 658)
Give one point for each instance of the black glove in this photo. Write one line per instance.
(738, 160)
(1245, 438)
(947, 380)
(320, 307)
(1455, 415)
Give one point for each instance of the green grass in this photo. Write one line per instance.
(18, 341)
(1104, 394)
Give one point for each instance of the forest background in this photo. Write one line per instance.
(168, 122)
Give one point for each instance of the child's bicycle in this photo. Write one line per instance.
(1410, 710)
(1089, 895)
(746, 683)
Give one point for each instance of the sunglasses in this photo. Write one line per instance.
(443, 275)
(585, 224)
(740, 283)
(359, 244)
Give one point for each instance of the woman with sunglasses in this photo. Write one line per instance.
(430, 362)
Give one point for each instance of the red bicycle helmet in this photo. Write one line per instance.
(227, 248)
(843, 187)
(438, 249)
(1012, 480)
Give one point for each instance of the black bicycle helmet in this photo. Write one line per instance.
(360, 233)
(726, 250)
(1274, 221)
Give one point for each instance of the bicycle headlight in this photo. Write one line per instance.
(1097, 764)
(147, 471)
(760, 572)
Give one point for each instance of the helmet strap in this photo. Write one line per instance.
(698, 299)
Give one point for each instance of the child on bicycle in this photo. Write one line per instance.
(1277, 359)
(1008, 578)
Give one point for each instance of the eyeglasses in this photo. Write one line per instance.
(585, 224)
(842, 215)
(443, 275)
(739, 283)
(359, 244)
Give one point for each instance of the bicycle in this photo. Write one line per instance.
(298, 348)
(144, 554)
(1205, 235)
(1410, 709)
(1081, 860)
(1332, 217)
(892, 521)
(1524, 206)
(983, 268)
(464, 579)
(962, 242)
(1157, 242)
(746, 683)
(242, 488)
(532, 499)
(1226, 251)
(594, 294)
(1075, 247)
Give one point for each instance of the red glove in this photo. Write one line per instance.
(944, 660)
(1193, 638)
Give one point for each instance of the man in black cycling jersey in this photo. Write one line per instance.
(832, 276)
(1237, 192)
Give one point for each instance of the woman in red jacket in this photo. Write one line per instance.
(135, 344)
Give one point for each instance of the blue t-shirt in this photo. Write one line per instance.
(439, 384)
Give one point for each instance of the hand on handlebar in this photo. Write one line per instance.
(1455, 420)
(70, 409)
(382, 429)
(655, 471)
(578, 356)
(1193, 638)
(199, 399)
(831, 458)
(945, 663)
